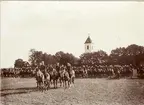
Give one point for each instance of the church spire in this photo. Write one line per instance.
(88, 40)
(88, 44)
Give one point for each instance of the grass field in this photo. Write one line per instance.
(18, 91)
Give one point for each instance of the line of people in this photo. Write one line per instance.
(17, 72)
(100, 71)
(83, 71)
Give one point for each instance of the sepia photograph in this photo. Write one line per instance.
(72, 52)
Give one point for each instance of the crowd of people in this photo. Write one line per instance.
(107, 71)
(17, 72)
(84, 71)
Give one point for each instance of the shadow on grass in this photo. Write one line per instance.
(25, 88)
(5, 92)
(12, 91)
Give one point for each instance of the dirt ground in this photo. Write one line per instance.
(18, 91)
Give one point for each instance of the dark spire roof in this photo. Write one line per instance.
(88, 40)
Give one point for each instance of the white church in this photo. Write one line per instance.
(88, 45)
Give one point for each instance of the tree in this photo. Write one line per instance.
(134, 49)
(19, 63)
(126, 55)
(118, 56)
(49, 59)
(64, 58)
(123, 56)
(35, 57)
(95, 58)
(139, 59)
(59, 56)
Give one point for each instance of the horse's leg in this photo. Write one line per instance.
(51, 81)
(37, 84)
(66, 84)
(63, 83)
(45, 85)
(69, 82)
(48, 84)
(60, 82)
(42, 85)
(73, 80)
(56, 83)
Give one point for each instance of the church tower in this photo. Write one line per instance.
(88, 45)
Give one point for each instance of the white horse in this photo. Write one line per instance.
(72, 76)
(47, 80)
(40, 79)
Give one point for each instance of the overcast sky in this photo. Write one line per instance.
(64, 26)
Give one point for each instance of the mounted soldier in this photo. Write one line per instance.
(42, 67)
(47, 79)
(62, 72)
(68, 67)
(58, 69)
(39, 78)
(72, 73)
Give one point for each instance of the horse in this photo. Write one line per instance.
(67, 79)
(71, 72)
(54, 77)
(40, 79)
(47, 80)
(61, 78)
(64, 77)
(72, 76)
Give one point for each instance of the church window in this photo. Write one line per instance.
(87, 47)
